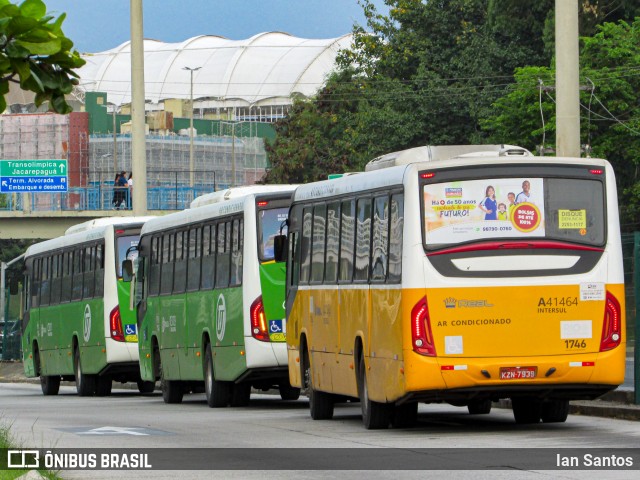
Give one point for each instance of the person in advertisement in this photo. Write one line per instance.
(511, 197)
(489, 205)
(525, 195)
(502, 212)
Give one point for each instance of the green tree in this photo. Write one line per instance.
(317, 136)
(610, 113)
(431, 72)
(35, 53)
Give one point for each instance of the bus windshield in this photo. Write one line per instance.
(269, 223)
(123, 244)
(557, 209)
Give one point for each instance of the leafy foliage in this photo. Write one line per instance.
(35, 53)
(610, 117)
(459, 72)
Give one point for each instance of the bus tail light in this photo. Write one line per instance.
(421, 337)
(611, 328)
(258, 321)
(115, 323)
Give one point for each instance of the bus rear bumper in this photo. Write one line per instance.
(462, 396)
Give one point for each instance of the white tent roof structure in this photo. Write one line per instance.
(266, 69)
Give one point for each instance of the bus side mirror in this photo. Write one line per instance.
(280, 248)
(127, 270)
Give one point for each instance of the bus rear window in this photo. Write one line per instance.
(269, 223)
(123, 244)
(559, 209)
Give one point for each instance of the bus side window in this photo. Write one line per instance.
(363, 240)
(395, 243)
(195, 255)
(305, 246)
(223, 255)
(166, 277)
(318, 243)
(333, 243)
(208, 257)
(66, 277)
(35, 282)
(46, 281)
(380, 241)
(99, 291)
(56, 279)
(180, 268)
(76, 293)
(154, 266)
(347, 241)
(89, 272)
(236, 253)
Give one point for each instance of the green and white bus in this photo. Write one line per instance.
(211, 297)
(77, 324)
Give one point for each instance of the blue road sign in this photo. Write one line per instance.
(33, 184)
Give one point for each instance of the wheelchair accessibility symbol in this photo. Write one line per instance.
(275, 326)
(130, 330)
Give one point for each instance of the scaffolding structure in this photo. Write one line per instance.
(168, 158)
(93, 161)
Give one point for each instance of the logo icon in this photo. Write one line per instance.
(221, 317)
(23, 459)
(450, 302)
(130, 329)
(87, 323)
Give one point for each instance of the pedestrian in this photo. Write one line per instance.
(130, 185)
(122, 190)
(116, 192)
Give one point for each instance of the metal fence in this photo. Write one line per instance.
(174, 191)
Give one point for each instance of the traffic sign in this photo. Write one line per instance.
(33, 176)
(33, 184)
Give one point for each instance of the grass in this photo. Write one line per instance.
(8, 441)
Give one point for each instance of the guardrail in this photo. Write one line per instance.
(104, 197)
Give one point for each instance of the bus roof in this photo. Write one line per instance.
(432, 153)
(101, 222)
(84, 232)
(415, 161)
(236, 192)
(205, 211)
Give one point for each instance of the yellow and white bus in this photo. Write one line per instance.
(457, 274)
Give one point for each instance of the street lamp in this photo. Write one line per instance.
(191, 70)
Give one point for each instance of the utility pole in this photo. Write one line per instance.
(191, 164)
(567, 79)
(115, 142)
(138, 134)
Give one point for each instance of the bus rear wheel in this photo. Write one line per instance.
(218, 393)
(320, 403)
(375, 415)
(172, 391)
(479, 407)
(405, 416)
(145, 387)
(50, 385)
(287, 392)
(526, 410)
(85, 384)
(241, 395)
(103, 386)
(555, 411)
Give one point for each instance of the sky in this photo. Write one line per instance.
(98, 25)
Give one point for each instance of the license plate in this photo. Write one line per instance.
(517, 373)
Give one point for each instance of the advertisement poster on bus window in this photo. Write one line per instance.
(464, 211)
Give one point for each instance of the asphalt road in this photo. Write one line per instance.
(128, 420)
